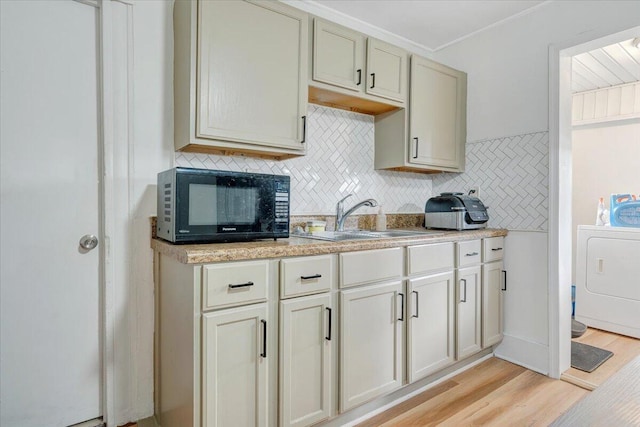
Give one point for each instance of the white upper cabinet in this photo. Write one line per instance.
(437, 115)
(338, 56)
(240, 77)
(386, 70)
(430, 135)
(355, 72)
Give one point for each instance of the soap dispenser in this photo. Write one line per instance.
(381, 220)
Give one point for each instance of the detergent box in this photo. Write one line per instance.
(625, 210)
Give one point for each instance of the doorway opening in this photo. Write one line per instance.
(560, 191)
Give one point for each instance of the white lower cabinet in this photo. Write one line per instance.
(492, 303)
(430, 324)
(306, 373)
(371, 342)
(468, 313)
(234, 367)
(494, 285)
(222, 361)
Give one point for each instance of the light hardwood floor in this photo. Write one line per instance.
(494, 393)
(499, 393)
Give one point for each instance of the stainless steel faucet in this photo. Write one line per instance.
(341, 216)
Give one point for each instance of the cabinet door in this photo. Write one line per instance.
(252, 75)
(468, 312)
(234, 367)
(431, 324)
(338, 56)
(386, 70)
(305, 360)
(371, 342)
(491, 303)
(437, 115)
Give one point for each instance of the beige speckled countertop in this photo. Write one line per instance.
(299, 246)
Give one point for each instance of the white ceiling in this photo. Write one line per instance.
(613, 65)
(435, 24)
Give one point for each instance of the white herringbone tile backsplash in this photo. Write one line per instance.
(512, 174)
(339, 161)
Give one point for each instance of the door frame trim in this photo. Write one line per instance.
(116, 134)
(107, 214)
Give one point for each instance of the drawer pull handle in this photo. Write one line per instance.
(465, 290)
(359, 71)
(264, 339)
(505, 280)
(328, 337)
(240, 285)
(373, 80)
(401, 318)
(417, 141)
(471, 254)
(315, 276)
(417, 305)
(496, 249)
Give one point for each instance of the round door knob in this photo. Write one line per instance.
(88, 242)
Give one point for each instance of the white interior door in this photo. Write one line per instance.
(49, 295)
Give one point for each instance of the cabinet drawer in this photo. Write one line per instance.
(226, 285)
(427, 258)
(468, 253)
(357, 268)
(492, 249)
(308, 275)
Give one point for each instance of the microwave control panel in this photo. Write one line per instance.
(282, 204)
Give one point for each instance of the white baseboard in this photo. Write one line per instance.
(528, 354)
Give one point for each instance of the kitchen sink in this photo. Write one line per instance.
(364, 234)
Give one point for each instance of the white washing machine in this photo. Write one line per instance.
(608, 279)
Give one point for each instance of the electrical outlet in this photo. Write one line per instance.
(474, 191)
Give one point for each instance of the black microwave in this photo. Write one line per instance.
(205, 206)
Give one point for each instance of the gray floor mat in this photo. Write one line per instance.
(586, 357)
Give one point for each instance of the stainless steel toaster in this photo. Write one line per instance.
(455, 211)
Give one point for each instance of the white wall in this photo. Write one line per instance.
(508, 95)
(606, 160)
(507, 65)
